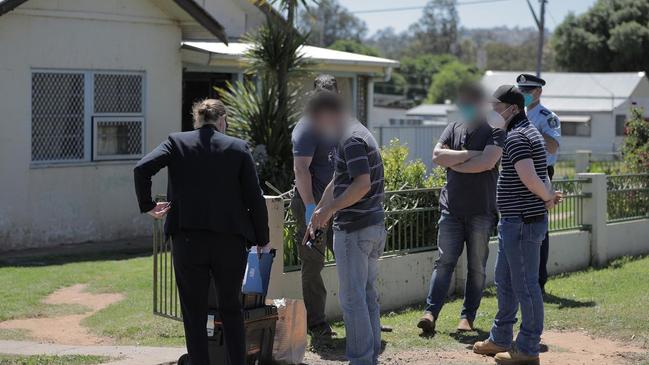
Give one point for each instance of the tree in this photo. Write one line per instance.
(390, 43)
(419, 72)
(329, 21)
(350, 45)
(437, 29)
(508, 57)
(263, 112)
(635, 149)
(613, 35)
(448, 79)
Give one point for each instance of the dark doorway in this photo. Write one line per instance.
(197, 86)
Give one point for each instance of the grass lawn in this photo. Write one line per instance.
(610, 302)
(52, 360)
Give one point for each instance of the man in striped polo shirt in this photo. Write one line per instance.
(523, 198)
(355, 199)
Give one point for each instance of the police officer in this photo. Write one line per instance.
(548, 124)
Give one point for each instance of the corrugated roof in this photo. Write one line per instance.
(316, 54)
(430, 109)
(574, 84)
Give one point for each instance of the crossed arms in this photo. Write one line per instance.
(467, 161)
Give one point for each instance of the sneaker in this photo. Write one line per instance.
(427, 323)
(515, 357)
(465, 325)
(487, 347)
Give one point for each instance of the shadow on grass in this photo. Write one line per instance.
(470, 337)
(562, 303)
(82, 252)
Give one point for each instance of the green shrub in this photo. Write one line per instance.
(635, 149)
(401, 174)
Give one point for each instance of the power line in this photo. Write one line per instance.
(383, 10)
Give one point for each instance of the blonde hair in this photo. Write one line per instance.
(207, 111)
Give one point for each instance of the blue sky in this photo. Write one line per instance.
(505, 12)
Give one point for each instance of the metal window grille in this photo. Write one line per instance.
(118, 93)
(117, 138)
(57, 117)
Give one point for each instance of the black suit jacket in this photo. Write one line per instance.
(212, 185)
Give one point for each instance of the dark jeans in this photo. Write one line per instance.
(196, 254)
(314, 291)
(452, 234)
(517, 284)
(545, 248)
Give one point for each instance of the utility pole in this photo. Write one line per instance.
(540, 23)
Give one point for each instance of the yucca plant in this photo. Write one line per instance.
(264, 108)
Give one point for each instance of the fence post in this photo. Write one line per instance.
(582, 161)
(275, 207)
(595, 216)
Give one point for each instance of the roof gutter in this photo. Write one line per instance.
(10, 5)
(203, 18)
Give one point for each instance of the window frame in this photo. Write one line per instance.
(89, 115)
(624, 120)
(115, 118)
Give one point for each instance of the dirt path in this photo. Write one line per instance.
(564, 348)
(67, 329)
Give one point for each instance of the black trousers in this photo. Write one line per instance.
(196, 254)
(545, 248)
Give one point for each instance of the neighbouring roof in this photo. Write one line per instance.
(430, 109)
(575, 91)
(197, 12)
(314, 54)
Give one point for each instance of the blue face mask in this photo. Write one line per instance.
(469, 113)
(529, 98)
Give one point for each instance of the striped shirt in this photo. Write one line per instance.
(358, 154)
(523, 141)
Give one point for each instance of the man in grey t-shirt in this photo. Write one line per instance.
(470, 151)
(355, 201)
(313, 166)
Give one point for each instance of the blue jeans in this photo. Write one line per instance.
(517, 283)
(357, 255)
(453, 232)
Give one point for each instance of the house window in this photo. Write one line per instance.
(620, 125)
(575, 129)
(87, 116)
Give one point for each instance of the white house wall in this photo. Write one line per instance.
(84, 202)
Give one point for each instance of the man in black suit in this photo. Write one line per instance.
(216, 210)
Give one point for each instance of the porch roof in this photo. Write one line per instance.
(233, 54)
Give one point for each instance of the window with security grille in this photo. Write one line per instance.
(117, 138)
(118, 93)
(87, 115)
(58, 125)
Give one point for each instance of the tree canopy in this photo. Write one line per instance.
(350, 45)
(448, 79)
(613, 35)
(327, 21)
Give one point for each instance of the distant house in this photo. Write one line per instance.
(431, 113)
(90, 86)
(592, 107)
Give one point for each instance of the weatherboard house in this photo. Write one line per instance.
(89, 86)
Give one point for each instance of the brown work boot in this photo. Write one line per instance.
(465, 325)
(427, 323)
(487, 347)
(515, 357)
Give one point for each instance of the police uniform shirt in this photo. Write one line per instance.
(548, 124)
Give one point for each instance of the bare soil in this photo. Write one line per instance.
(563, 348)
(67, 329)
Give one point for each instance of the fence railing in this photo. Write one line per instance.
(570, 213)
(627, 197)
(411, 218)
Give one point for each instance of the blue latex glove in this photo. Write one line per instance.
(308, 212)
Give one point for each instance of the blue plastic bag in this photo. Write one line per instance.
(257, 274)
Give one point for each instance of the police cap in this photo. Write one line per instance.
(529, 81)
